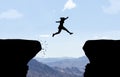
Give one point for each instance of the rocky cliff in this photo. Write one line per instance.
(103, 57)
(15, 54)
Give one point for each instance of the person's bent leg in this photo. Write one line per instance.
(56, 32)
(67, 30)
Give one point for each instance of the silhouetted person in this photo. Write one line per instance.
(61, 27)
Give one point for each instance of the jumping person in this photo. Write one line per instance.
(61, 27)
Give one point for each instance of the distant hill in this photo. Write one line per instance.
(38, 69)
(65, 62)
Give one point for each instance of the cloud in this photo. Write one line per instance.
(113, 8)
(11, 14)
(69, 5)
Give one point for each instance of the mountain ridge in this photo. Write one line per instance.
(65, 62)
(57, 67)
(38, 69)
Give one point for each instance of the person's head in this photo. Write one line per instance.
(62, 18)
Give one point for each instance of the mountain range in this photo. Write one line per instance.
(57, 67)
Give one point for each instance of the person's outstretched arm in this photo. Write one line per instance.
(66, 17)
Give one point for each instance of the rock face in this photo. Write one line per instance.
(15, 54)
(103, 57)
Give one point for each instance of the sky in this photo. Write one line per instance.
(36, 20)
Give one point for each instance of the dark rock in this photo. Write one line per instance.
(103, 57)
(15, 55)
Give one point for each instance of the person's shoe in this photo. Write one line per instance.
(53, 35)
(71, 33)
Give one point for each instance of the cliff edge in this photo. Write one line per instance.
(103, 57)
(15, 54)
